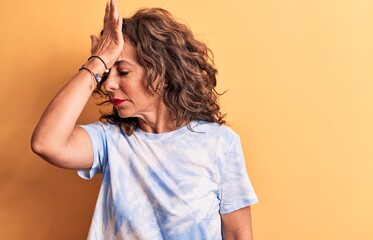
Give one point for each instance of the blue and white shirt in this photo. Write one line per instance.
(171, 185)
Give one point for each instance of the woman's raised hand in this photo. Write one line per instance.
(110, 44)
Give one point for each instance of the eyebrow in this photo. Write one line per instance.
(124, 62)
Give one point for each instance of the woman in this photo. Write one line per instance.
(170, 168)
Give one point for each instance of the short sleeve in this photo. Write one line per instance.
(236, 189)
(96, 132)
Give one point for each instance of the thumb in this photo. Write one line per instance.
(94, 42)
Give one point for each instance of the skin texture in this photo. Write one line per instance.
(59, 141)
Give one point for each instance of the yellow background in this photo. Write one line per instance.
(299, 75)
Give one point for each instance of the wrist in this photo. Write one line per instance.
(103, 62)
(96, 66)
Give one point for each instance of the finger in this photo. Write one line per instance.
(107, 16)
(94, 43)
(113, 11)
(120, 22)
(119, 26)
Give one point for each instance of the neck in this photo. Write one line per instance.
(158, 121)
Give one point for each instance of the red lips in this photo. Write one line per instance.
(117, 101)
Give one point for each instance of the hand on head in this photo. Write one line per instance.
(110, 44)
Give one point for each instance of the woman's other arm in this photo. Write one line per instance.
(237, 225)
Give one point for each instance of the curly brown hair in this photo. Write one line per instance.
(171, 54)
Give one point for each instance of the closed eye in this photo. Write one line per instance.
(122, 73)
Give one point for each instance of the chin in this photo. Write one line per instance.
(124, 114)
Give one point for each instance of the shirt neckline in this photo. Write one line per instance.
(167, 135)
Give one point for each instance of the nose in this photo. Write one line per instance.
(111, 82)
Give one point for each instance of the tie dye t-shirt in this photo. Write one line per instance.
(171, 185)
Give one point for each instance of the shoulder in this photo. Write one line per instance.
(214, 129)
(221, 133)
(102, 128)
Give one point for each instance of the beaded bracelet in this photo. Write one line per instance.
(94, 56)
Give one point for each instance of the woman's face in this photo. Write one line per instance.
(126, 86)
